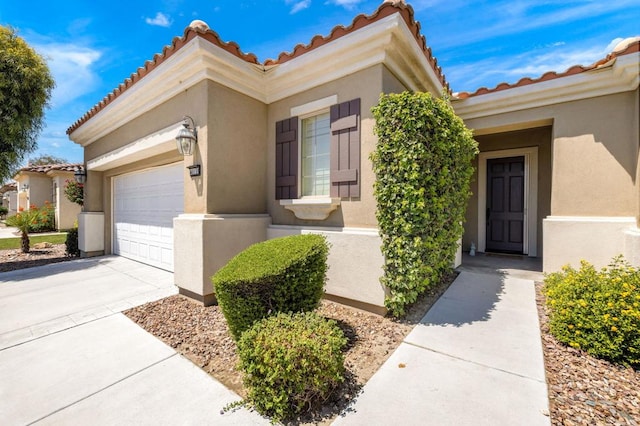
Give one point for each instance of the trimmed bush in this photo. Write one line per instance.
(597, 311)
(291, 363)
(422, 164)
(280, 275)
(72, 242)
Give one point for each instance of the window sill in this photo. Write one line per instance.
(311, 208)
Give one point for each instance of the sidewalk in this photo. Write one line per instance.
(475, 359)
(69, 356)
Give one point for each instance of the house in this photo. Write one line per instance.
(9, 198)
(282, 147)
(557, 174)
(42, 184)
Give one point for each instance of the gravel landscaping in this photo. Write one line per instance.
(584, 390)
(13, 259)
(201, 334)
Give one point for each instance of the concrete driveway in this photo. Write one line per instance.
(69, 356)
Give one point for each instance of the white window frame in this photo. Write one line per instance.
(308, 110)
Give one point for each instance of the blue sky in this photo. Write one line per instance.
(92, 46)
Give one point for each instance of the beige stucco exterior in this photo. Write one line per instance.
(232, 204)
(577, 133)
(587, 173)
(41, 188)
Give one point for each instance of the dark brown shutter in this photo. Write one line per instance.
(287, 159)
(345, 149)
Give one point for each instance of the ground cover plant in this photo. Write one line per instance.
(597, 311)
(422, 164)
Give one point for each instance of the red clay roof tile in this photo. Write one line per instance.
(633, 47)
(50, 167)
(200, 29)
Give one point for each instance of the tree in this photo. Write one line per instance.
(45, 159)
(25, 89)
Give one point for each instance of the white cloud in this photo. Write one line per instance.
(160, 20)
(494, 70)
(72, 69)
(298, 5)
(347, 4)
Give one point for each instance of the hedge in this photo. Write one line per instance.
(423, 168)
(280, 275)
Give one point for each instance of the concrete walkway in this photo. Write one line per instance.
(475, 359)
(68, 356)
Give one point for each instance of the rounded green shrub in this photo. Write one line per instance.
(291, 363)
(422, 164)
(281, 275)
(597, 311)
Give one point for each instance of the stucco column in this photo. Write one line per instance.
(203, 243)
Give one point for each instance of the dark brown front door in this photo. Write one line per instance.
(505, 204)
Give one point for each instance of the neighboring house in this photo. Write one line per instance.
(38, 185)
(9, 198)
(283, 148)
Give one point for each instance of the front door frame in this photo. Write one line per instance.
(530, 228)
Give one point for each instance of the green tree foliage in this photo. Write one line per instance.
(25, 89)
(45, 159)
(423, 168)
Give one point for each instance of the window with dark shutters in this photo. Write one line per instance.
(287, 159)
(344, 152)
(345, 149)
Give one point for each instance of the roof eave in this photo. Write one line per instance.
(621, 76)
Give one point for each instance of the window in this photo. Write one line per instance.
(315, 142)
(328, 152)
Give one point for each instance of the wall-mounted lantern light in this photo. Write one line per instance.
(187, 137)
(80, 175)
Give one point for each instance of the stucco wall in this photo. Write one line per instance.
(236, 152)
(191, 102)
(538, 137)
(366, 85)
(40, 190)
(594, 151)
(66, 211)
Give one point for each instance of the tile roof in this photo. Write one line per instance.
(200, 29)
(8, 187)
(632, 47)
(45, 168)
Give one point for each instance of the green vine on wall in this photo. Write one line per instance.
(423, 169)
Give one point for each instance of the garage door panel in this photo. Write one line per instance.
(145, 204)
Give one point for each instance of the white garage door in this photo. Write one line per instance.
(144, 205)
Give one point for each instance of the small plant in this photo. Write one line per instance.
(280, 275)
(3, 212)
(597, 311)
(291, 363)
(45, 221)
(74, 191)
(71, 242)
(24, 220)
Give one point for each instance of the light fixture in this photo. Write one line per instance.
(80, 175)
(187, 137)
